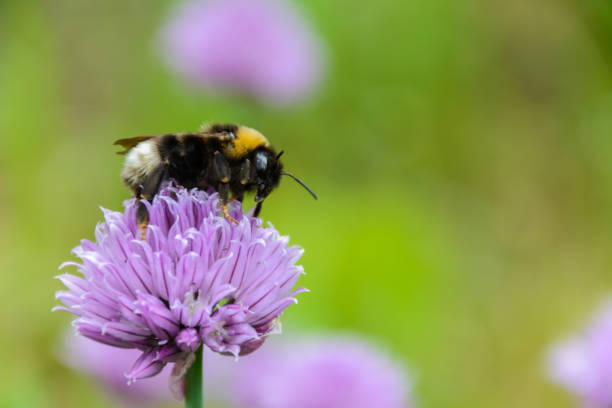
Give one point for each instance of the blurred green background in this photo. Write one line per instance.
(461, 151)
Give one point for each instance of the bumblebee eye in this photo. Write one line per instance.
(261, 161)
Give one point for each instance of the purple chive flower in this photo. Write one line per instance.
(197, 278)
(261, 48)
(108, 365)
(583, 364)
(323, 373)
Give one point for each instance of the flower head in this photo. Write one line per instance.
(197, 278)
(323, 373)
(583, 364)
(261, 48)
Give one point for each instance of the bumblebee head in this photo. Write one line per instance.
(268, 170)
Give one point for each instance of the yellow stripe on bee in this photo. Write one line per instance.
(246, 141)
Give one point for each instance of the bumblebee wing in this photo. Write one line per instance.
(129, 143)
(220, 136)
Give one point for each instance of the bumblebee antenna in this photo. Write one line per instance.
(284, 173)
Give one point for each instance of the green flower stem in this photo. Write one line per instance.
(193, 383)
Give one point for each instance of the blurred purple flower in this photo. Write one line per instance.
(321, 373)
(262, 48)
(108, 365)
(197, 278)
(583, 364)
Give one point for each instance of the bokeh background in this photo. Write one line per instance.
(462, 153)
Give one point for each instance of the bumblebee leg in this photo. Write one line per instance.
(223, 191)
(143, 220)
(222, 168)
(153, 181)
(147, 190)
(245, 172)
(237, 196)
(257, 209)
(222, 172)
(237, 192)
(227, 215)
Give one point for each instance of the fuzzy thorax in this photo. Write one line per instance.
(246, 140)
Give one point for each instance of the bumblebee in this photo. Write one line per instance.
(229, 158)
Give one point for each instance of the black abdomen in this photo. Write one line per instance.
(186, 158)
